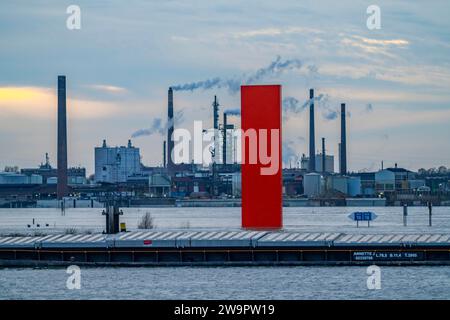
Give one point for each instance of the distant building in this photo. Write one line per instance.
(367, 183)
(350, 186)
(329, 163)
(49, 174)
(116, 164)
(159, 185)
(402, 178)
(437, 183)
(384, 181)
(416, 184)
(396, 179)
(191, 184)
(14, 178)
(293, 182)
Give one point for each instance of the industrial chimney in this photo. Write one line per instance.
(224, 147)
(170, 125)
(164, 154)
(216, 113)
(216, 128)
(61, 188)
(312, 138)
(343, 148)
(323, 155)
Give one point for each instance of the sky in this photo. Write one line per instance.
(394, 80)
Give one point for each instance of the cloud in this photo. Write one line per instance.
(108, 88)
(374, 46)
(383, 42)
(39, 102)
(272, 32)
(388, 95)
(385, 118)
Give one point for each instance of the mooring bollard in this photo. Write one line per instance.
(430, 210)
(405, 215)
(63, 207)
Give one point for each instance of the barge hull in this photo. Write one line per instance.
(226, 248)
(226, 257)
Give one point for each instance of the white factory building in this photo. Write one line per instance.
(329, 163)
(116, 164)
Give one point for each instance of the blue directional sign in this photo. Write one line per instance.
(362, 216)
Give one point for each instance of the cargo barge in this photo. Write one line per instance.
(225, 248)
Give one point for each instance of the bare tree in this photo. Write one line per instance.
(146, 221)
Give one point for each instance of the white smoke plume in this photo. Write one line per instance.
(233, 85)
(291, 104)
(233, 112)
(289, 153)
(157, 126)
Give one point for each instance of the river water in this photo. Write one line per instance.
(226, 282)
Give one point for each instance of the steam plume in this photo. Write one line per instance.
(233, 85)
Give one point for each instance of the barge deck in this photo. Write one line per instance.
(225, 248)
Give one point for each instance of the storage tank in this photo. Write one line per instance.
(36, 179)
(236, 184)
(354, 186)
(12, 178)
(339, 183)
(52, 180)
(312, 184)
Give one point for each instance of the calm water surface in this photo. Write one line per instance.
(227, 282)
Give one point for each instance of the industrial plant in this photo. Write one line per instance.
(119, 173)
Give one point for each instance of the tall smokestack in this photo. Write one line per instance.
(216, 128)
(224, 147)
(343, 148)
(339, 156)
(323, 155)
(312, 138)
(170, 143)
(216, 113)
(164, 154)
(61, 188)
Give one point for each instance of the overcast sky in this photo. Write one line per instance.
(119, 65)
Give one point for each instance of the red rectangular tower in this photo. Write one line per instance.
(261, 180)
